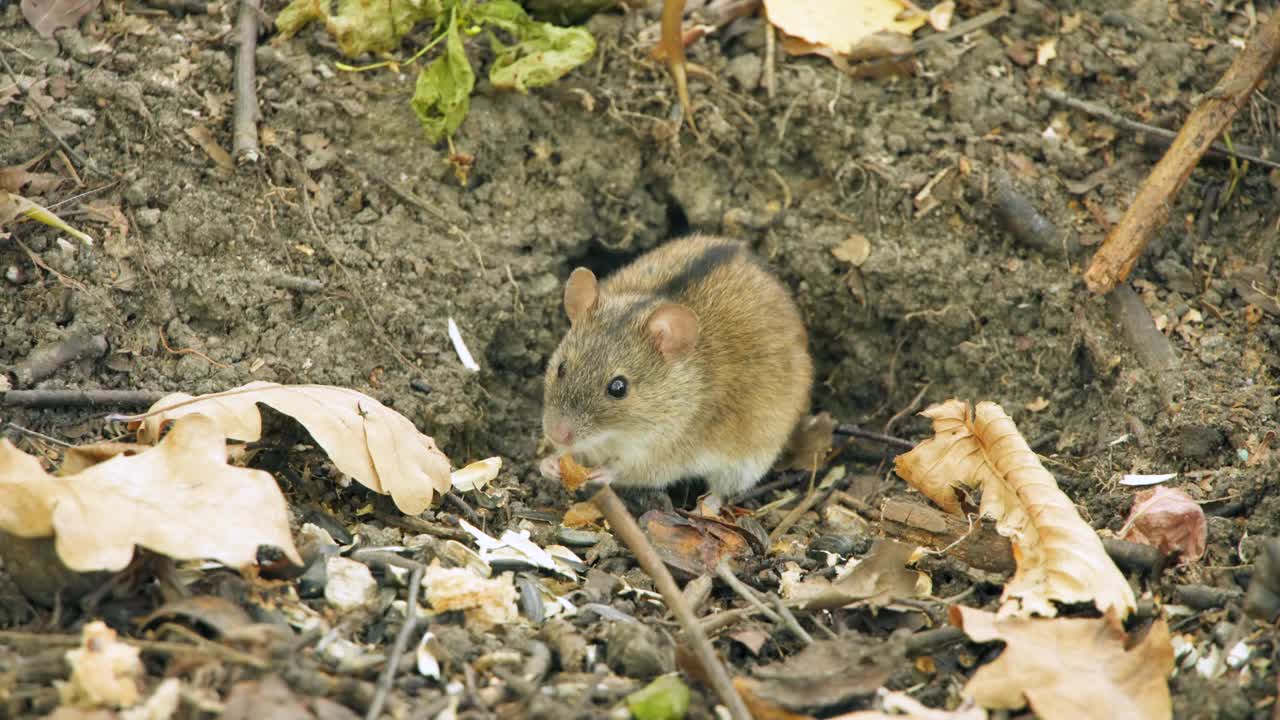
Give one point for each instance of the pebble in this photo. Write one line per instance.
(745, 70)
(636, 650)
(149, 217)
(350, 585)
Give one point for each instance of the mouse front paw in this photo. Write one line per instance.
(550, 467)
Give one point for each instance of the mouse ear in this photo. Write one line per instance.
(674, 329)
(580, 294)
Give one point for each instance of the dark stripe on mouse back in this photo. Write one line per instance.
(703, 265)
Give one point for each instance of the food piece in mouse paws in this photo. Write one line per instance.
(692, 361)
(572, 474)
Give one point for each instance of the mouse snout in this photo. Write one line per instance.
(560, 431)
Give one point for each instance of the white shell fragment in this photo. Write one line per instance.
(428, 666)
(476, 475)
(1140, 480)
(460, 347)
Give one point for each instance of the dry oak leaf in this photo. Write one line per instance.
(1071, 668)
(46, 16)
(368, 441)
(179, 498)
(1059, 557)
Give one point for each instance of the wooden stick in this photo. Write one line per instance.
(1150, 209)
(245, 137)
(671, 44)
(625, 527)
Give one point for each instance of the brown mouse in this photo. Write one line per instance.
(691, 361)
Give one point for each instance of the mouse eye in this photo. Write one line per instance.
(560, 371)
(618, 387)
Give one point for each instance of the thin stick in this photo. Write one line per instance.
(855, 431)
(746, 593)
(402, 643)
(80, 398)
(977, 22)
(245, 137)
(47, 359)
(1150, 209)
(671, 43)
(1120, 121)
(770, 59)
(793, 517)
(625, 527)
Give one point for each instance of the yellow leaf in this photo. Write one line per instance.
(841, 26)
(1060, 558)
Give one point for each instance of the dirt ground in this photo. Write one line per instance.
(339, 258)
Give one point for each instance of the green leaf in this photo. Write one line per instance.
(443, 94)
(542, 53)
(666, 698)
(360, 26)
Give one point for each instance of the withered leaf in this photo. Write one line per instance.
(97, 516)
(368, 441)
(46, 16)
(1060, 558)
(693, 544)
(1047, 663)
(826, 674)
(1168, 519)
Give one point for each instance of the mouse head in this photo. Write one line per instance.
(623, 371)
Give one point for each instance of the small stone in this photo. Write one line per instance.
(636, 650)
(149, 217)
(1197, 442)
(745, 70)
(350, 585)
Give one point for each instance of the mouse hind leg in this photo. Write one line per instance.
(733, 478)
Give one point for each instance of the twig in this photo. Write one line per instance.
(788, 478)
(1098, 111)
(671, 45)
(789, 619)
(855, 431)
(205, 647)
(1152, 348)
(794, 516)
(1150, 209)
(910, 408)
(453, 498)
(770, 60)
(80, 398)
(745, 592)
(402, 643)
(625, 527)
(931, 641)
(179, 8)
(71, 153)
(977, 22)
(46, 359)
(245, 136)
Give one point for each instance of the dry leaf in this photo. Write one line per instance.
(901, 706)
(760, 708)
(1168, 519)
(571, 473)
(876, 579)
(693, 544)
(179, 498)
(17, 178)
(204, 138)
(104, 671)
(826, 674)
(1049, 664)
(854, 250)
(46, 16)
(484, 601)
(1059, 556)
(266, 698)
(940, 15)
(80, 458)
(841, 26)
(372, 443)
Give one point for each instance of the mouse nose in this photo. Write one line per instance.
(560, 431)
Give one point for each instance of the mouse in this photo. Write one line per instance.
(691, 361)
